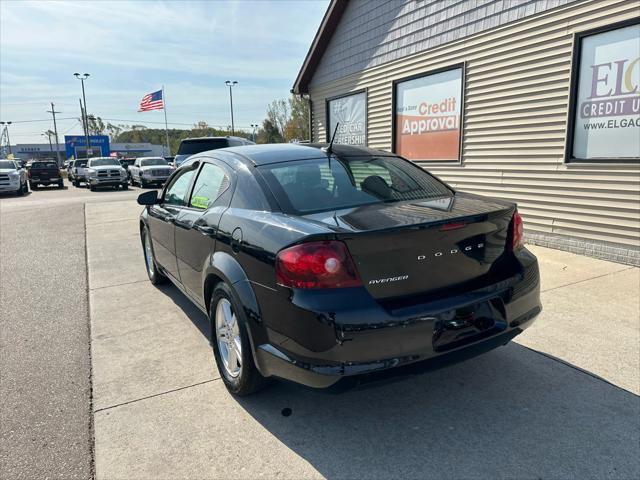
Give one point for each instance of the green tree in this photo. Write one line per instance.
(269, 133)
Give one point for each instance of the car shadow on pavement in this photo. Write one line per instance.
(199, 319)
(511, 413)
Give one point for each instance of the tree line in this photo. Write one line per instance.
(287, 120)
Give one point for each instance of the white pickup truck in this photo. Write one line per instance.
(150, 171)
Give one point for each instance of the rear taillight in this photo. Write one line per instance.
(325, 264)
(517, 232)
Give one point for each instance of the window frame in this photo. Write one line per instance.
(394, 98)
(573, 95)
(221, 165)
(328, 100)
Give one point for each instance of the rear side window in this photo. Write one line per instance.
(191, 147)
(210, 184)
(309, 186)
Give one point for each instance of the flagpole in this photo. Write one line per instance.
(166, 128)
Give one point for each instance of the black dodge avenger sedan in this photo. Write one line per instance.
(336, 266)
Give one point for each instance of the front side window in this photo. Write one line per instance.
(309, 186)
(176, 193)
(211, 183)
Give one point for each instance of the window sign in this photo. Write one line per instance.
(428, 118)
(606, 109)
(351, 112)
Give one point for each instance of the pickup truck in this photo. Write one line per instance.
(105, 172)
(13, 178)
(150, 171)
(76, 171)
(45, 172)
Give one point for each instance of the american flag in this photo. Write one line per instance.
(152, 101)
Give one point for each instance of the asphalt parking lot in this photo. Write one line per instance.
(562, 402)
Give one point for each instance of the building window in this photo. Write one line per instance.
(350, 112)
(427, 121)
(604, 110)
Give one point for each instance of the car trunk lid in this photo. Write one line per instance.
(410, 248)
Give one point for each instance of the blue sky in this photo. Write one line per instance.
(133, 48)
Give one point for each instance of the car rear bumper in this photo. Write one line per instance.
(420, 337)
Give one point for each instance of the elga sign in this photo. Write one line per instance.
(349, 113)
(428, 116)
(606, 123)
(75, 145)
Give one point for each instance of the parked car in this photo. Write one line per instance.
(105, 172)
(332, 268)
(191, 146)
(77, 171)
(149, 171)
(13, 178)
(44, 172)
(126, 163)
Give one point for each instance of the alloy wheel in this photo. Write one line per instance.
(228, 338)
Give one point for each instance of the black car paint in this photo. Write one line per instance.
(318, 337)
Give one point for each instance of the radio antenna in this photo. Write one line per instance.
(329, 148)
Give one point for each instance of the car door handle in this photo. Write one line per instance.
(205, 229)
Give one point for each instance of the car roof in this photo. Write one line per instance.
(193, 139)
(150, 158)
(265, 154)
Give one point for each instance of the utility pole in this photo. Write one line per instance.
(6, 132)
(230, 83)
(55, 129)
(85, 127)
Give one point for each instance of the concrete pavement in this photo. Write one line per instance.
(161, 411)
(45, 391)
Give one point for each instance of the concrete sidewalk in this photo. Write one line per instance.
(161, 412)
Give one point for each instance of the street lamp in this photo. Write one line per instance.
(6, 129)
(82, 78)
(253, 134)
(231, 83)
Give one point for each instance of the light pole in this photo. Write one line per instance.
(253, 134)
(82, 78)
(231, 83)
(6, 129)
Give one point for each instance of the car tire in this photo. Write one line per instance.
(143, 184)
(76, 183)
(156, 277)
(33, 186)
(241, 378)
(20, 191)
(125, 186)
(61, 184)
(92, 188)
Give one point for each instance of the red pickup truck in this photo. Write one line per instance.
(44, 173)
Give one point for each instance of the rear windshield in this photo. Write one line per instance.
(152, 161)
(105, 162)
(127, 161)
(191, 147)
(37, 165)
(309, 186)
(80, 163)
(7, 164)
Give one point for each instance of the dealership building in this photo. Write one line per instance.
(535, 101)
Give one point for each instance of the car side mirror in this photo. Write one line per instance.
(148, 198)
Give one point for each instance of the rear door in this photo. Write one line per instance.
(197, 223)
(162, 217)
